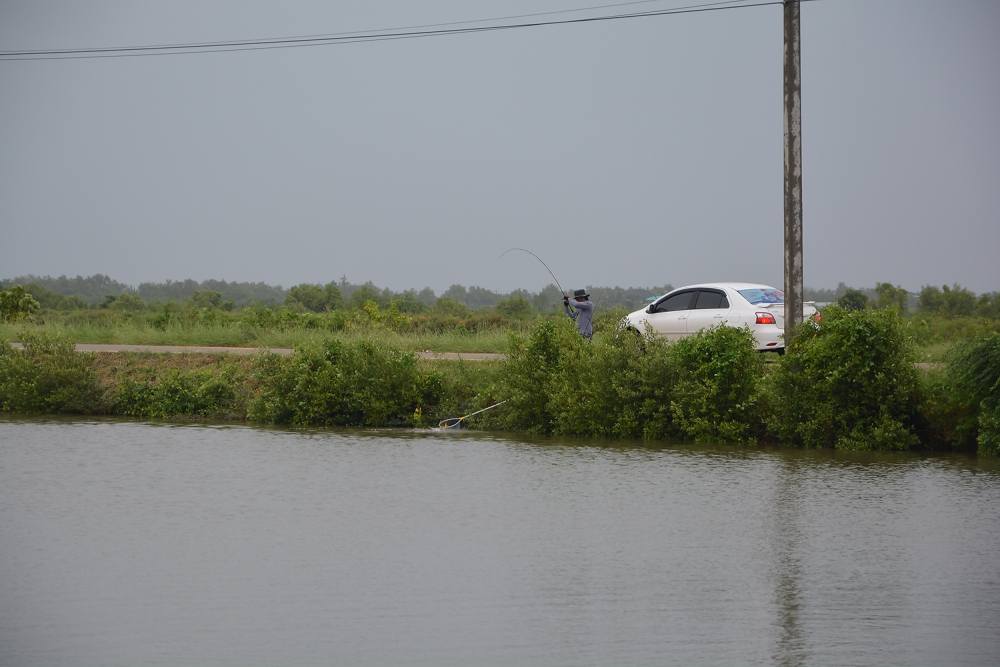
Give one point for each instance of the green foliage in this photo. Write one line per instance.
(315, 298)
(951, 301)
(450, 307)
(593, 390)
(715, 395)
(126, 303)
(891, 296)
(622, 387)
(176, 393)
(988, 305)
(853, 299)
(410, 303)
(342, 384)
(47, 376)
(944, 421)
(975, 376)
(91, 289)
(210, 299)
(367, 293)
(848, 384)
(17, 304)
(515, 307)
(989, 430)
(529, 372)
(703, 388)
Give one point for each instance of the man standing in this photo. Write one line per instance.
(581, 310)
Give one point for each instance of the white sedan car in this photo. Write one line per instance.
(688, 310)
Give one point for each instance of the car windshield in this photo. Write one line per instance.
(763, 295)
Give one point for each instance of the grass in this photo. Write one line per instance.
(242, 336)
(934, 337)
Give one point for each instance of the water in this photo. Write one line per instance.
(136, 544)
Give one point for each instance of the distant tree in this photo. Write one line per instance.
(448, 306)
(548, 300)
(426, 296)
(480, 297)
(629, 298)
(853, 299)
(891, 296)
(316, 298)
(124, 302)
(515, 306)
(456, 293)
(210, 299)
(49, 299)
(91, 289)
(988, 305)
(365, 293)
(17, 304)
(409, 302)
(948, 301)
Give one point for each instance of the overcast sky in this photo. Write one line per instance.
(635, 152)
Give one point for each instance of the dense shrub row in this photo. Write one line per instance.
(849, 384)
(701, 388)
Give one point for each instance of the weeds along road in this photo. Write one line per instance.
(287, 351)
(244, 351)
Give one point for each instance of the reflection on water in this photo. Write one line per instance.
(126, 544)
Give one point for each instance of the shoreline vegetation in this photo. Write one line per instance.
(849, 384)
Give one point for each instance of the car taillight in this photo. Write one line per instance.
(765, 318)
(817, 317)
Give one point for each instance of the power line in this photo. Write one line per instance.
(372, 36)
(356, 33)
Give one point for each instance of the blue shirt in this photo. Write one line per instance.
(584, 316)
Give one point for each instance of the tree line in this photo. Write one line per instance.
(99, 290)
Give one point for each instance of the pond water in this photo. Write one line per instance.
(137, 544)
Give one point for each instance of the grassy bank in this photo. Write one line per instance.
(850, 384)
(934, 338)
(490, 340)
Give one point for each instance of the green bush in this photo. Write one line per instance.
(944, 420)
(703, 388)
(595, 389)
(199, 393)
(849, 383)
(974, 373)
(342, 384)
(716, 393)
(17, 304)
(528, 376)
(47, 376)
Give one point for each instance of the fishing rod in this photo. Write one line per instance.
(540, 260)
(453, 422)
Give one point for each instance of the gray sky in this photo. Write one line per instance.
(631, 152)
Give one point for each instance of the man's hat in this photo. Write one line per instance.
(577, 293)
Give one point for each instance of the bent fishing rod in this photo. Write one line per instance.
(540, 260)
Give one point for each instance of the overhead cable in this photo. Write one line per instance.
(369, 36)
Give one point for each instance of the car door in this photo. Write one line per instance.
(668, 316)
(710, 309)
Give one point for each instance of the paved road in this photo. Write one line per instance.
(283, 351)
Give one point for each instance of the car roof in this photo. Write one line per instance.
(732, 286)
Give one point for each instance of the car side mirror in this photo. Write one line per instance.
(649, 308)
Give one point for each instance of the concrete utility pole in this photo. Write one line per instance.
(793, 171)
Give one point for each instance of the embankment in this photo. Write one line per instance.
(848, 385)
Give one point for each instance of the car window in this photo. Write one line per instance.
(680, 301)
(763, 295)
(711, 299)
